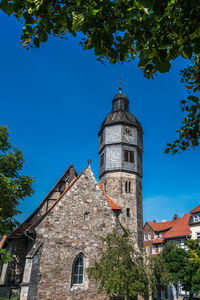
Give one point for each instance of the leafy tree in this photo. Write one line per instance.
(121, 270)
(181, 267)
(13, 185)
(155, 32)
(161, 275)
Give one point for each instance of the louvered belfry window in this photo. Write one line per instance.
(128, 156)
(77, 272)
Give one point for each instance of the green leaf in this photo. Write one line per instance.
(164, 66)
(187, 52)
(6, 7)
(146, 3)
(95, 11)
(36, 42)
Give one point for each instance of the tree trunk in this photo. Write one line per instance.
(191, 296)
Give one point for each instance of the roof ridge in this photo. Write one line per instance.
(45, 198)
(42, 217)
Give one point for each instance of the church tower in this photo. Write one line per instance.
(120, 170)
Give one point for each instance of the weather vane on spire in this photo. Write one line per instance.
(120, 87)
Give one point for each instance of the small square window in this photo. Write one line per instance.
(198, 235)
(162, 294)
(148, 250)
(154, 249)
(155, 294)
(128, 156)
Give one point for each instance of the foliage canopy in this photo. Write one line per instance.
(183, 266)
(155, 32)
(13, 185)
(121, 270)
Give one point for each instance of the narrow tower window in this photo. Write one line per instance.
(127, 186)
(128, 213)
(101, 138)
(77, 270)
(128, 156)
(102, 160)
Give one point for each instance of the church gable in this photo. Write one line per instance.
(73, 228)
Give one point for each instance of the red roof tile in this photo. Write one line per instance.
(112, 204)
(181, 228)
(196, 209)
(158, 240)
(163, 225)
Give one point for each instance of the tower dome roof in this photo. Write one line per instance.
(120, 113)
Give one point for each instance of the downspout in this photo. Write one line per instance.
(28, 236)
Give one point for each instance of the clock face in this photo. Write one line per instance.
(128, 131)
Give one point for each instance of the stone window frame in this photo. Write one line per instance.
(73, 284)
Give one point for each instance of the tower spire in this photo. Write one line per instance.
(120, 86)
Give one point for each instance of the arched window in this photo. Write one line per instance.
(77, 270)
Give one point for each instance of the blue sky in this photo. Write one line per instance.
(54, 99)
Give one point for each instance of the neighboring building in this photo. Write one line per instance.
(53, 248)
(195, 222)
(178, 230)
(154, 235)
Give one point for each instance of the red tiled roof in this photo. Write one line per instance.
(163, 225)
(181, 228)
(112, 204)
(196, 209)
(158, 240)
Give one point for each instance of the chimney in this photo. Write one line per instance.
(154, 221)
(175, 217)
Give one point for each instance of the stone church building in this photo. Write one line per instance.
(53, 248)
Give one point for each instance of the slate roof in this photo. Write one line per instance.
(196, 209)
(112, 204)
(121, 116)
(181, 228)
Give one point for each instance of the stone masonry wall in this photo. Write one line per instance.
(73, 226)
(114, 186)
